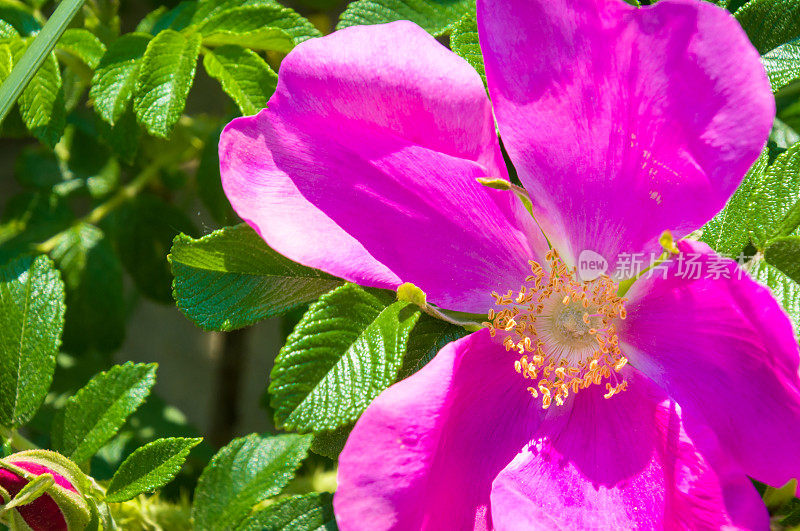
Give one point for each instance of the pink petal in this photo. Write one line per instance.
(43, 514)
(726, 352)
(624, 122)
(364, 165)
(621, 463)
(424, 454)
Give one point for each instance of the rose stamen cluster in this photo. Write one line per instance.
(563, 329)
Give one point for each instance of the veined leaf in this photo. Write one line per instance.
(82, 44)
(783, 64)
(464, 42)
(243, 474)
(309, 511)
(150, 467)
(770, 23)
(785, 290)
(165, 77)
(258, 39)
(784, 253)
(729, 232)
(348, 348)
(237, 16)
(31, 318)
(244, 76)
(96, 412)
(777, 195)
(231, 279)
(426, 340)
(41, 104)
(436, 16)
(116, 74)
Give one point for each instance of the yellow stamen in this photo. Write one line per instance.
(567, 325)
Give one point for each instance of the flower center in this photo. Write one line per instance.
(563, 330)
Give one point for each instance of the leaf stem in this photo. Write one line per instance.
(127, 192)
(17, 441)
(36, 53)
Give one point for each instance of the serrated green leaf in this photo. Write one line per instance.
(770, 23)
(165, 77)
(783, 64)
(464, 42)
(244, 76)
(728, 233)
(115, 77)
(237, 16)
(31, 318)
(231, 278)
(307, 512)
(776, 197)
(96, 412)
(246, 472)
(785, 290)
(143, 231)
(348, 348)
(41, 104)
(784, 253)
(436, 16)
(149, 468)
(82, 44)
(93, 275)
(260, 39)
(28, 218)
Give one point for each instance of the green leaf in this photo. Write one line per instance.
(243, 474)
(464, 42)
(729, 232)
(348, 348)
(149, 468)
(96, 412)
(41, 104)
(31, 318)
(36, 54)
(426, 340)
(177, 18)
(785, 290)
(93, 275)
(770, 23)
(82, 44)
(436, 16)
(7, 31)
(783, 64)
(143, 231)
(230, 279)
(775, 199)
(784, 253)
(147, 24)
(19, 18)
(241, 17)
(244, 76)
(115, 78)
(259, 39)
(165, 77)
(309, 511)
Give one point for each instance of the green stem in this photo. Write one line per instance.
(36, 53)
(17, 441)
(127, 192)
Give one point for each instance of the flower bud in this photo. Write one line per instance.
(48, 505)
